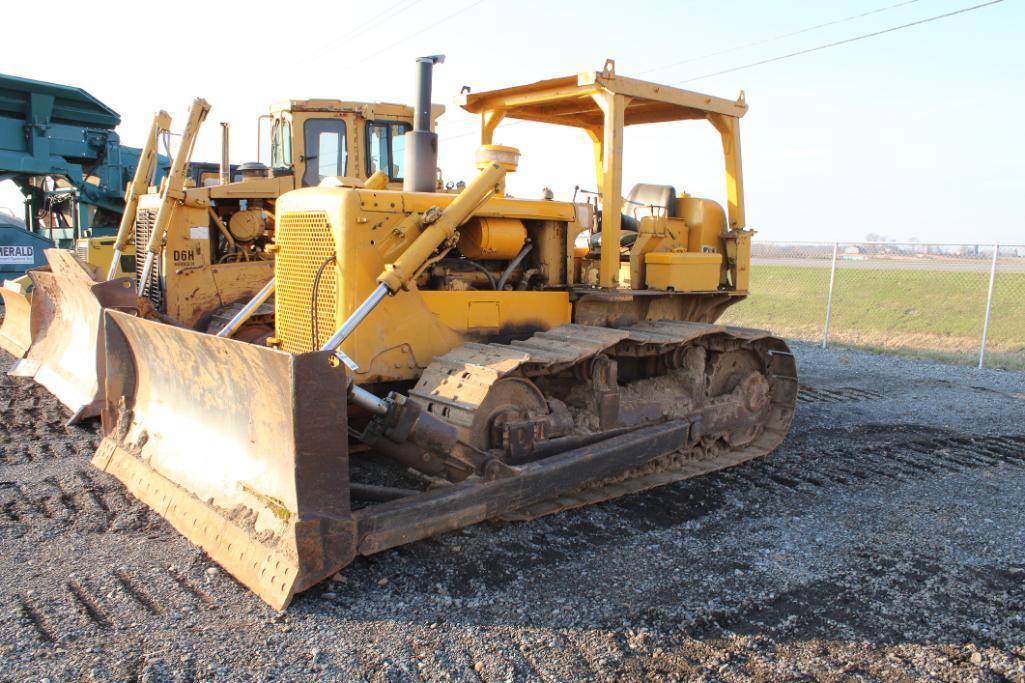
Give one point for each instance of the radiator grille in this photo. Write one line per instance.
(144, 220)
(82, 250)
(304, 243)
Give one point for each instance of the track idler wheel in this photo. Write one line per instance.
(738, 397)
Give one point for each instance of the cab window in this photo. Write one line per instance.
(281, 145)
(386, 148)
(324, 150)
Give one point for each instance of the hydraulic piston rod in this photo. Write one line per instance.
(398, 274)
(405, 268)
(140, 183)
(364, 399)
(174, 186)
(353, 321)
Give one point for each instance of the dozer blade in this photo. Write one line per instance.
(16, 330)
(66, 353)
(244, 450)
(215, 435)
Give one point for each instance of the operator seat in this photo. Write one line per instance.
(644, 199)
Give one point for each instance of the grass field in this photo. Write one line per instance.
(934, 314)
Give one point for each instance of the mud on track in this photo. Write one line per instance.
(884, 540)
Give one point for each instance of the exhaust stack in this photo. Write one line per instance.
(421, 143)
(225, 161)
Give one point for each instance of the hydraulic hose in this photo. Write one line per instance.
(513, 265)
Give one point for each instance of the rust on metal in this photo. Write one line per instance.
(16, 330)
(391, 524)
(268, 495)
(66, 355)
(233, 455)
(738, 388)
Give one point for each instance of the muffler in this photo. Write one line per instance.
(421, 143)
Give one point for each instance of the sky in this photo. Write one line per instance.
(912, 134)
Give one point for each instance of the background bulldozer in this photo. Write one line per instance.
(479, 359)
(203, 249)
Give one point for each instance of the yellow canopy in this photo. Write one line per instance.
(603, 104)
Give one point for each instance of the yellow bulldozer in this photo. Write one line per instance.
(443, 358)
(202, 249)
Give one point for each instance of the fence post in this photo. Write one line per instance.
(829, 299)
(989, 303)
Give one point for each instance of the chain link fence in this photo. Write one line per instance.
(954, 302)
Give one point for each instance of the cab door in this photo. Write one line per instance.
(386, 148)
(325, 153)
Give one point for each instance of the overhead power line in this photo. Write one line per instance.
(449, 17)
(763, 41)
(364, 27)
(840, 42)
(325, 47)
(799, 52)
(391, 10)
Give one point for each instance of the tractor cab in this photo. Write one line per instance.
(314, 140)
(224, 226)
(652, 237)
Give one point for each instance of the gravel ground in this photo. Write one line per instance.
(884, 540)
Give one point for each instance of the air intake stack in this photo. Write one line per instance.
(421, 142)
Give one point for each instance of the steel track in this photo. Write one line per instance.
(456, 384)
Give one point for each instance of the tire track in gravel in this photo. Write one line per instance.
(444, 654)
(34, 429)
(191, 588)
(796, 475)
(140, 595)
(535, 665)
(109, 601)
(21, 504)
(35, 619)
(872, 611)
(141, 599)
(500, 656)
(604, 651)
(90, 604)
(556, 657)
(67, 499)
